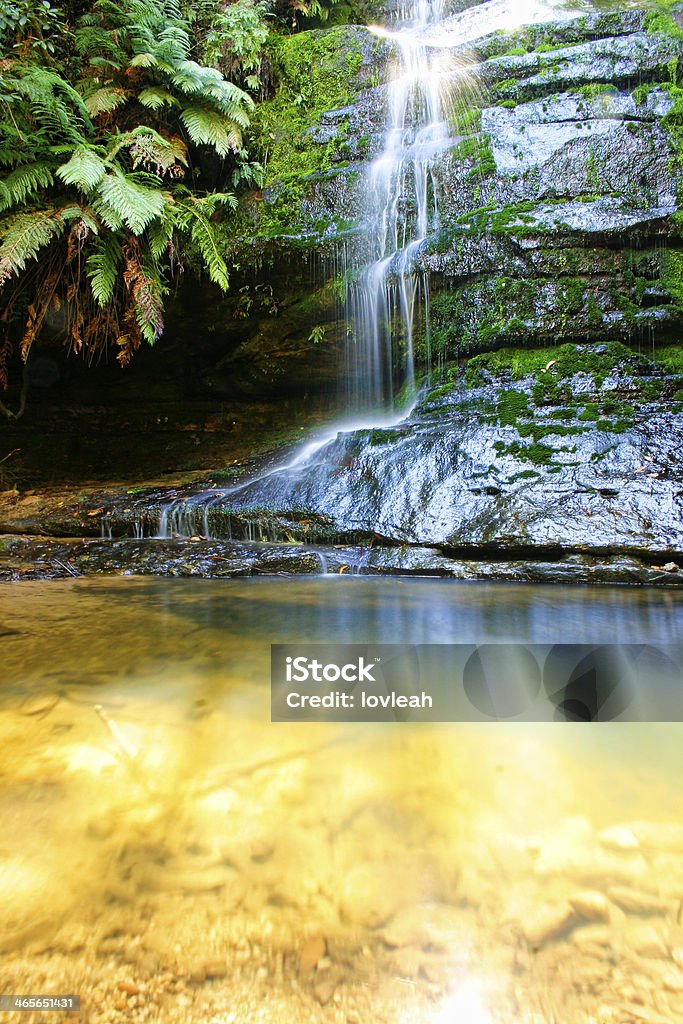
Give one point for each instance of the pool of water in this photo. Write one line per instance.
(169, 854)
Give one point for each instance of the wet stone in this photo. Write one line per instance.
(635, 901)
(366, 899)
(646, 941)
(618, 838)
(543, 924)
(311, 954)
(591, 906)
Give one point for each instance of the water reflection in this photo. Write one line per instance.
(170, 855)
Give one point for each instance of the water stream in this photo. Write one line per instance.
(431, 78)
(171, 856)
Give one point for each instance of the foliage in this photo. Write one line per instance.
(104, 155)
(28, 24)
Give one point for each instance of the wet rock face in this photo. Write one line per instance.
(564, 144)
(581, 455)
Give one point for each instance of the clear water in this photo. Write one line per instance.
(170, 855)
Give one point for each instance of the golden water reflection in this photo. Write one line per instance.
(170, 855)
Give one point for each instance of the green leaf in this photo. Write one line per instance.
(23, 182)
(154, 97)
(23, 238)
(134, 204)
(212, 129)
(85, 169)
(106, 99)
(102, 268)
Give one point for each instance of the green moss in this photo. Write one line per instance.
(661, 21)
(591, 413)
(511, 405)
(672, 275)
(315, 72)
(596, 90)
(525, 474)
(438, 393)
(538, 454)
(671, 358)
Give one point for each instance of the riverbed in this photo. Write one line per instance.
(170, 854)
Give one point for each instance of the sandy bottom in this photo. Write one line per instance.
(170, 855)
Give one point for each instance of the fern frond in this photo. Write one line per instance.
(131, 203)
(154, 97)
(106, 99)
(24, 236)
(47, 90)
(143, 60)
(85, 169)
(155, 153)
(146, 289)
(230, 100)
(102, 269)
(23, 182)
(210, 128)
(196, 214)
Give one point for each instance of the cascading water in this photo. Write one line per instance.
(402, 210)
(390, 297)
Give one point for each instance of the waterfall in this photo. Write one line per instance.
(401, 191)
(388, 304)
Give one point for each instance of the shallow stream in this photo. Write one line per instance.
(169, 854)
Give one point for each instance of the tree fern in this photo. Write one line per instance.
(146, 289)
(105, 100)
(195, 213)
(154, 97)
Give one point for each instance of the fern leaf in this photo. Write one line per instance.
(102, 269)
(146, 289)
(23, 182)
(24, 236)
(197, 212)
(135, 205)
(154, 97)
(143, 60)
(85, 169)
(210, 128)
(106, 99)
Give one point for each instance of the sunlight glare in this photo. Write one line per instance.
(464, 1007)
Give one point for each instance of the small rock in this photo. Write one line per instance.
(546, 923)
(128, 988)
(324, 990)
(593, 939)
(71, 938)
(367, 899)
(215, 968)
(407, 962)
(261, 850)
(646, 941)
(40, 704)
(432, 926)
(312, 952)
(673, 981)
(618, 838)
(634, 901)
(197, 974)
(591, 906)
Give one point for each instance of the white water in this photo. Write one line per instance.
(391, 296)
(402, 210)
